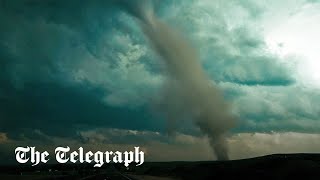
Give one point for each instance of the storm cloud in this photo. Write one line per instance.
(72, 66)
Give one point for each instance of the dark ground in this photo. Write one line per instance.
(279, 166)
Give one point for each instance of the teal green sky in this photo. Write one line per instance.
(82, 73)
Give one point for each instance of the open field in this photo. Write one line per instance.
(278, 166)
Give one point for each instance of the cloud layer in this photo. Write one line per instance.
(68, 68)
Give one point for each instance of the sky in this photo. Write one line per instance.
(81, 73)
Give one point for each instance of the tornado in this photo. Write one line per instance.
(187, 91)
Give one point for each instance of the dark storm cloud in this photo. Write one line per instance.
(69, 69)
(40, 46)
(60, 109)
(80, 51)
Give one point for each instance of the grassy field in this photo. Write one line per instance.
(279, 166)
